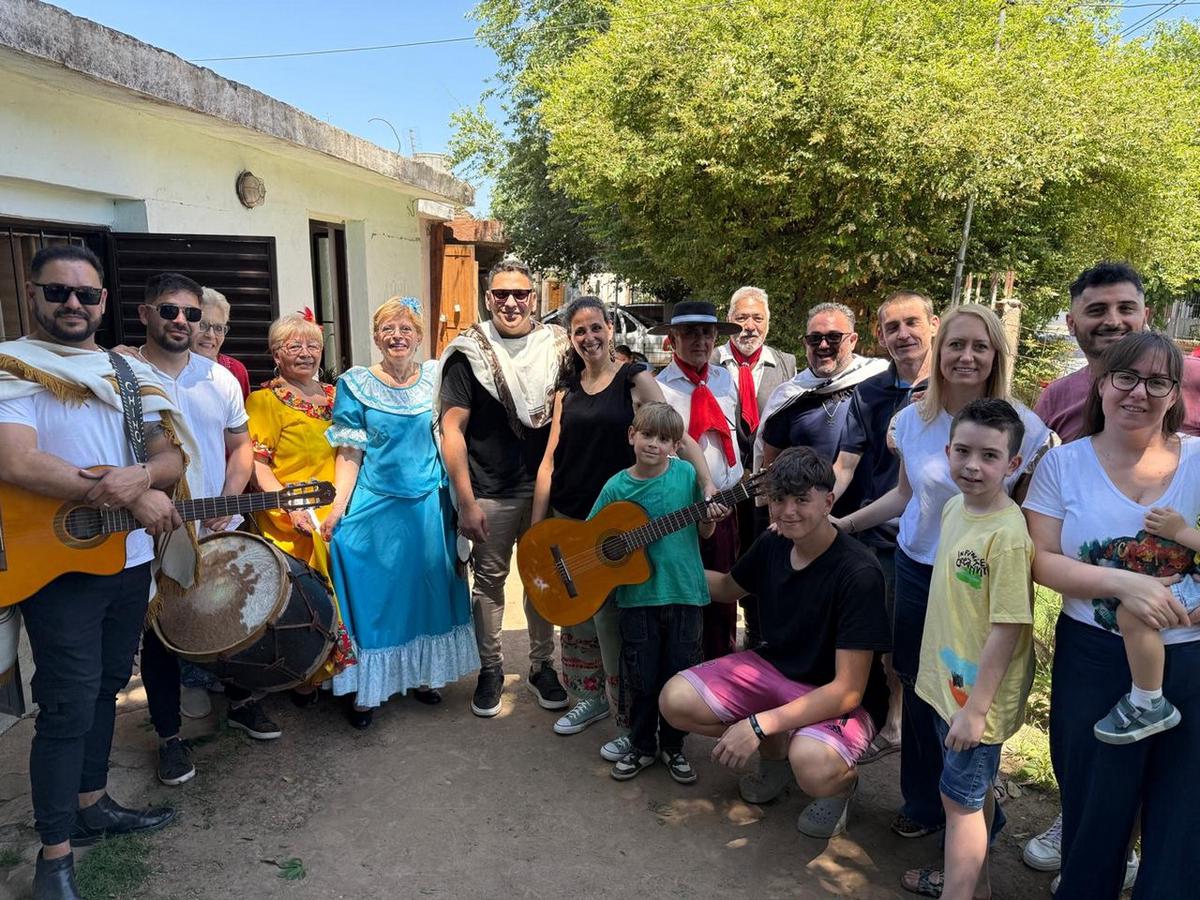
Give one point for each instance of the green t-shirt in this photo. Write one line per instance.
(981, 575)
(676, 573)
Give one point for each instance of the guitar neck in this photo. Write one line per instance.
(120, 520)
(689, 515)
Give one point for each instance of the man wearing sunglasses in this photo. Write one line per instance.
(810, 410)
(495, 387)
(210, 399)
(83, 629)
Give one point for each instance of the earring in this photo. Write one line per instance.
(612, 350)
(275, 373)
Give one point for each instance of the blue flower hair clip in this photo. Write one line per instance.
(412, 303)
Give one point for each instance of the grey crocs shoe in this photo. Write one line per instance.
(1126, 723)
(826, 818)
(772, 778)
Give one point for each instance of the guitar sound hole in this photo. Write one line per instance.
(83, 523)
(614, 549)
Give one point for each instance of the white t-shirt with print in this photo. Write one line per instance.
(1102, 526)
(92, 434)
(922, 449)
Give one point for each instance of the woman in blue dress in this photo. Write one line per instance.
(391, 537)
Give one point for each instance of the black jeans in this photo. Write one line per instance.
(160, 678)
(83, 630)
(656, 643)
(1104, 786)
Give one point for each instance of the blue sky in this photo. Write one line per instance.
(414, 88)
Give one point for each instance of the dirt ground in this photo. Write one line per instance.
(434, 802)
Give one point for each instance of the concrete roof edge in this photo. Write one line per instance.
(96, 51)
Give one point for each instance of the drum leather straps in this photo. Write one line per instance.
(131, 405)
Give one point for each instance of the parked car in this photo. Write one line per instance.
(628, 329)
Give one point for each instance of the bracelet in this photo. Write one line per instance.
(851, 528)
(753, 720)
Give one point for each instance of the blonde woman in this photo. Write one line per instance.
(390, 530)
(289, 416)
(970, 361)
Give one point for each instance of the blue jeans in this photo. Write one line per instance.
(967, 775)
(1104, 786)
(657, 642)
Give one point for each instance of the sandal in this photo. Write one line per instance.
(927, 881)
(878, 749)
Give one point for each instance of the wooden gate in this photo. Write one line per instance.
(459, 294)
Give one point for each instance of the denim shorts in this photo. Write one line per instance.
(967, 776)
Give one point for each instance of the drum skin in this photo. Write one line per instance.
(255, 616)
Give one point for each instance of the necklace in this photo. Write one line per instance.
(831, 411)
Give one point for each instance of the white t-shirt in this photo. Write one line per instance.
(677, 391)
(922, 449)
(89, 435)
(211, 402)
(1102, 526)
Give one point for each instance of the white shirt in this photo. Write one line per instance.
(92, 434)
(1102, 526)
(677, 391)
(922, 449)
(725, 356)
(211, 402)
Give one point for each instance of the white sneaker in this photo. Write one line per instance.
(1131, 873)
(194, 702)
(581, 715)
(1044, 852)
(616, 748)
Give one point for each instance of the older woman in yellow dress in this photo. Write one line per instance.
(289, 416)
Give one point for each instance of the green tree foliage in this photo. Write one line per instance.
(827, 149)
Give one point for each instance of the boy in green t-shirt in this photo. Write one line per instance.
(977, 647)
(660, 618)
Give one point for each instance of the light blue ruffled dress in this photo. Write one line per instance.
(393, 553)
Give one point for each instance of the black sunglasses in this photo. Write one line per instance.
(61, 293)
(833, 338)
(170, 311)
(504, 293)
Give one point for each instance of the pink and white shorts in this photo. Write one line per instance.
(740, 684)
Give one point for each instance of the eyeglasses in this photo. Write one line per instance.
(1156, 385)
(61, 293)
(832, 338)
(518, 294)
(297, 349)
(214, 327)
(388, 331)
(170, 312)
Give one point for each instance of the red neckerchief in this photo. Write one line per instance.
(746, 394)
(706, 414)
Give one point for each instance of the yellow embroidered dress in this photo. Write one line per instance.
(288, 433)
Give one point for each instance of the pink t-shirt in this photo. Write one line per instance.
(1062, 402)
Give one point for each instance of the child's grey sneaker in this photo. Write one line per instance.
(772, 778)
(630, 765)
(1126, 723)
(616, 748)
(581, 715)
(678, 767)
(826, 818)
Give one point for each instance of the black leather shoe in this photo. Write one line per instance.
(428, 696)
(359, 718)
(106, 818)
(54, 879)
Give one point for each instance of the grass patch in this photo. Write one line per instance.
(113, 869)
(1028, 751)
(9, 858)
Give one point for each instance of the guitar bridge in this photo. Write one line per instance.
(560, 566)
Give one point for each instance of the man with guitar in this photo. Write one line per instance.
(706, 396)
(211, 402)
(59, 415)
(811, 697)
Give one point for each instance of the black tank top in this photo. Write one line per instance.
(593, 441)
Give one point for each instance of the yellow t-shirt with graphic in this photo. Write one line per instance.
(981, 576)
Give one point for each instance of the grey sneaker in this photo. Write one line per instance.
(616, 748)
(1044, 852)
(1126, 723)
(175, 763)
(581, 715)
(1131, 873)
(826, 818)
(194, 702)
(773, 776)
(252, 719)
(630, 765)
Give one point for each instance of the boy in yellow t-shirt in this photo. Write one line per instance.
(977, 647)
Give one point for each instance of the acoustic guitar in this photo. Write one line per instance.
(42, 537)
(569, 567)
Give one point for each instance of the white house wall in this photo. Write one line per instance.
(74, 158)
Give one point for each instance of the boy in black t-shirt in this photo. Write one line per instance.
(811, 698)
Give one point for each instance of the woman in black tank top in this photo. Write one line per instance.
(589, 443)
